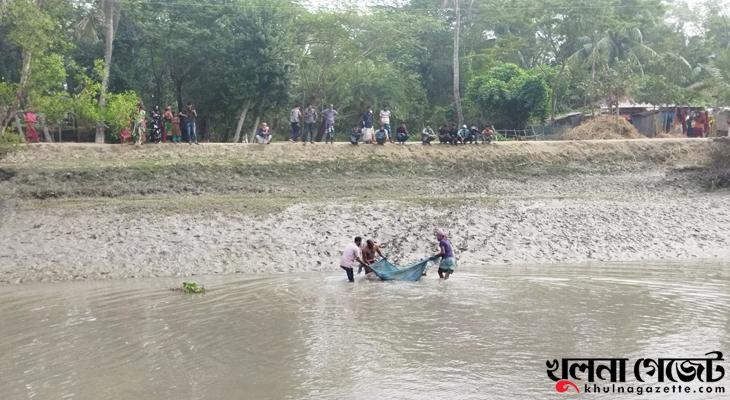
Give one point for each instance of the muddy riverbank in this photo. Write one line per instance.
(126, 213)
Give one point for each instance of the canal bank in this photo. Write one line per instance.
(74, 212)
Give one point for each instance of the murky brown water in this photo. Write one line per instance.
(485, 334)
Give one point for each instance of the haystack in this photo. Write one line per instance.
(603, 127)
(670, 135)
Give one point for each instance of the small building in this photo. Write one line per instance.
(630, 108)
(722, 121)
(563, 123)
(649, 123)
(570, 120)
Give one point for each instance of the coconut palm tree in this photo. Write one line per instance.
(613, 47)
(32, 36)
(714, 77)
(457, 62)
(101, 16)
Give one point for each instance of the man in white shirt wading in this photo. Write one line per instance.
(350, 255)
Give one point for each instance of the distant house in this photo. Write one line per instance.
(650, 123)
(647, 118)
(563, 123)
(652, 120)
(628, 108)
(569, 120)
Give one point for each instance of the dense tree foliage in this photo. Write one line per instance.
(509, 96)
(244, 61)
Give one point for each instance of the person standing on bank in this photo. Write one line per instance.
(176, 132)
(310, 122)
(30, 118)
(385, 121)
(446, 254)
(156, 125)
(167, 117)
(140, 126)
(367, 125)
(329, 115)
(190, 115)
(350, 254)
(295, 117)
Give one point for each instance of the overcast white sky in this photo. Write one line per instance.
(366, 3)
(697, 7)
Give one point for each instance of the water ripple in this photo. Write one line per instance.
(486, 333)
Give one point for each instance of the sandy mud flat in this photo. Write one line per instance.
(81, 212)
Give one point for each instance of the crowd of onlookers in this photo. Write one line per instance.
(695, 123)
(304, 128)
(162, 127)
(176, 127)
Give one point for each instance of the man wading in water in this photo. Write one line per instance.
(446, 253)
(368, 254)
(350, 254)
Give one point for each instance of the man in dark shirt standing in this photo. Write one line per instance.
(190, 115)
(310, 119)
(367, 125)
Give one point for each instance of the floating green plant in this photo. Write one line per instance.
(192, 287)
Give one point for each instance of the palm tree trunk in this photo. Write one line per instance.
(241, 120)
(457, 84)
(554, 88)
(19, 93)
(47, 133)
(108, 7)
(19, 126)
(178, 91)
(253, 131)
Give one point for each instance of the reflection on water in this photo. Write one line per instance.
(484, 334)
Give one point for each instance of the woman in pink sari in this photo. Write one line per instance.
(31, 135)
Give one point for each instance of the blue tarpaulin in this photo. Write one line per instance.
(387, 271)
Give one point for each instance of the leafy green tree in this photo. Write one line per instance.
(46, 91)
(174, 39)
(720, 70)
(352, 62)
(656, 89)
(102, 14)
(255, 65)
(716, 82)
(509, 96)
(610, 84)
(32, 32)
(115, 114)
(237, 58)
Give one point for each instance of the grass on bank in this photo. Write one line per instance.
(248, 205)
(292, 171)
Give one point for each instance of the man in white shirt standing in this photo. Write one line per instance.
(329, 115)
(295, 117)
(385, 121)
(350, 254)
(367, 126)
